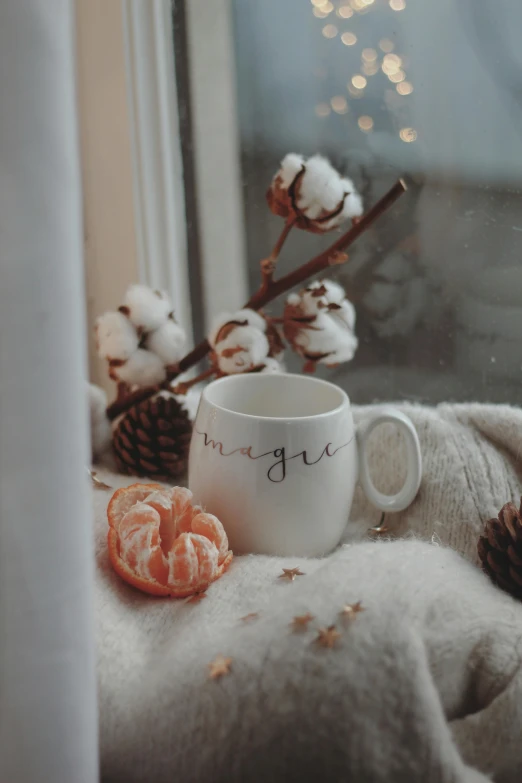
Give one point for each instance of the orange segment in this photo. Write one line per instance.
(140, 543)
(208, 525)
(161, 502)
(163, 545)
(207, 555)
(192, 561)
(183, 563)
(182, 511)
(123, 500)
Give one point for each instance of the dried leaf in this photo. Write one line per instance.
(96, 482)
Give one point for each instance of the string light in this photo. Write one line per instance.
(391, 64)
(322, 110)
(370, 69)
(386, 45)
(348, 39)
(339, 104)
(365, 123)
(389, 68)
(359, 82)
(397, 5)
(369, 55)
(399, 76)
(354, 92)
(408, 134)
(330, 31)
(405, 88)
(344, 11)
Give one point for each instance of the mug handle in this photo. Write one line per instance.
(407, 494)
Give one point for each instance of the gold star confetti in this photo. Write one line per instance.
(291, 573)
(327, 637)
(301, 621)
(96, 482)
(379, 529)
(249, 617)
(196, 598)
(219, 667)
(350, 610)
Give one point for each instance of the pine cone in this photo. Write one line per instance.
(500, 549)
(153, 438)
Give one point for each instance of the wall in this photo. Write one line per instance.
(109, 235)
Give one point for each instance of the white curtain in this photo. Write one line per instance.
(48, 729)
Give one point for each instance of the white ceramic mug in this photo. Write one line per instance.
(276, 458)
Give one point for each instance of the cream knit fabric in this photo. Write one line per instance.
(425, 685)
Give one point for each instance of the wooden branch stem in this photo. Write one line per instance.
(268, 265)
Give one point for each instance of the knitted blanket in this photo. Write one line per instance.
(424, 684)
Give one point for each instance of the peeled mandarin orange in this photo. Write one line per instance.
(162, 544)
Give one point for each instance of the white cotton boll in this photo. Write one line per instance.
(335, 293)
(322, 189)
(240, 317)
(291, 165)
(190, 402)
(239, 341)
(330, 339)
(116, 337)
(101, 432)
(310, 303)
(244, 348)
(272, 366)
(293, 299)
(147, 308)
(353, 204)
(346, 314)
(143, 368)
(217, 324)
(167, 342)
(252, 317)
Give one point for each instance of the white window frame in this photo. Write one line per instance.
(134, 201)
(159, 208)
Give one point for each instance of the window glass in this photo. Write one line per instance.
(432, 90)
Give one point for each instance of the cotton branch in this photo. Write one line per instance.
(270, 289)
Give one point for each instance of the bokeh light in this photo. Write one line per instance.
(339, 104)
(369, 55)
(354, 91)
(349, 39)
(359, 82)
(398, 76)
(405, 88)
(365, 123)
(322, 110)
(370, 69)
(393, 58)
(344, 11)
(330, 31)
(386, 45)
(397, 5)
(408, 134)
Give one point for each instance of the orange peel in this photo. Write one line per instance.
(163, 544)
